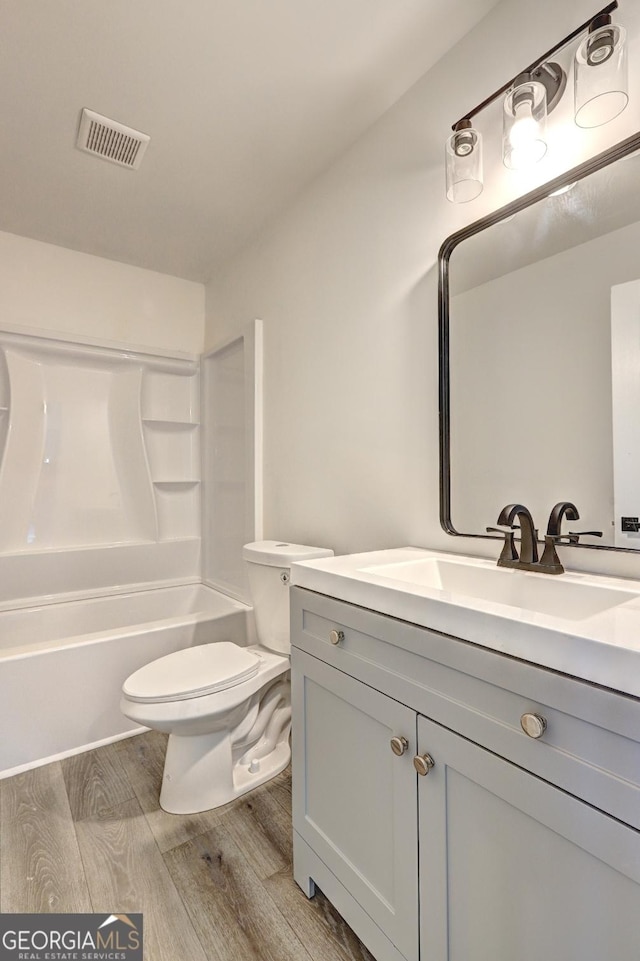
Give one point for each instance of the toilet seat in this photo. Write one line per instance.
(192, 672)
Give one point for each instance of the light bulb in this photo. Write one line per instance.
(524, 122)
(525, 129)
(526, 146)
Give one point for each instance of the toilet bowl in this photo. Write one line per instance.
(226, 708)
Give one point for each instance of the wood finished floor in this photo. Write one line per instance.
(86, 834)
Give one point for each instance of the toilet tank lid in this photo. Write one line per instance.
(192, 672)
(281, 553)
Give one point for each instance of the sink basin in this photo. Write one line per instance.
(555, 596)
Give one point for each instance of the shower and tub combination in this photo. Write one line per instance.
(123, 513)
(62, 664)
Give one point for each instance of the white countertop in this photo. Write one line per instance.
(602, 647)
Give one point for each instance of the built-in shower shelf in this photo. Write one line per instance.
(4, 410)
(169, 425)
(175, 484)
(178, 507)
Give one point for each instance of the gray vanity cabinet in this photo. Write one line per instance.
(513, 869)
(508, 848)
(355, 801)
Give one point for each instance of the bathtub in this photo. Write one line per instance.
(62, 664)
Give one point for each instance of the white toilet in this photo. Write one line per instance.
(226, 708)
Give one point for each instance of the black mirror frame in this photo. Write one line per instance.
(620, 150)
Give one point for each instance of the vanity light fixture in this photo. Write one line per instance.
(464, 163)
(600, 89)
(601, 78)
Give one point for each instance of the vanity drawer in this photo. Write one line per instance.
(590, 745)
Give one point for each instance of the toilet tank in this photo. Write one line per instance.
(268, 564)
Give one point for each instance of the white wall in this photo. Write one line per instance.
(54, 289)
(346, 285)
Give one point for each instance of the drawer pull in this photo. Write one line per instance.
(399, 745)
(423, 764)
(336, 637)
(533, 725)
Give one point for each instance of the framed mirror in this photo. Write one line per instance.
(539, 325)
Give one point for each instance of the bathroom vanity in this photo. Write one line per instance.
(467, 770)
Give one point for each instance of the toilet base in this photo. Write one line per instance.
(245, 779)
(199, 773)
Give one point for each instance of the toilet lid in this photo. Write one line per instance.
(193, 672)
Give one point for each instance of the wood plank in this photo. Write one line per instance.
(142, 758)
(261, 828)
(230, 909)
(96, 781)
(325, 934)
(126, 873)
(40, 864)
(280, 788)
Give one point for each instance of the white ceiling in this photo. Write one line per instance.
(245, 101)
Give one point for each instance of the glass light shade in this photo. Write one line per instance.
(601, 81)
(524, 125)
(463, 159)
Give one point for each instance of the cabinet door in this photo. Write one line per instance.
(514, 869)
(354, 800)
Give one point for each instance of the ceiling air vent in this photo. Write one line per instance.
(111, 140)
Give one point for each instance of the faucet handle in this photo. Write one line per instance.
(509, 554)
(550, 562)
(573, 536)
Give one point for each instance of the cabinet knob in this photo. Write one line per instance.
(533, 725)
(336, 637)
(399, 745)
(423, 763)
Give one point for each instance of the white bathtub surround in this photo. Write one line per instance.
(113, 569)
(62, 665)
(99, 449)
(232, 482)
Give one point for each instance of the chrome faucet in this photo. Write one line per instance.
(528, 558)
